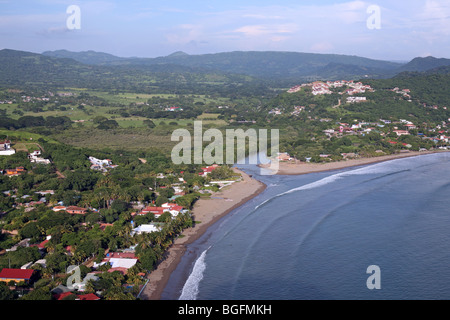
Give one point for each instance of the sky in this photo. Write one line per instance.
(382, 29)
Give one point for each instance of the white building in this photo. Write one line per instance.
(5, 148)
(35, 157)
(145, 228)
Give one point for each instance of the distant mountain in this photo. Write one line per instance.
(338, 71)
(26, 69)
(87, 57)
(424, 64)
(178, 54)
(262, 64)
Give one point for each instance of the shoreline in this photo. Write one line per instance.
(300, 168)
(208, 212)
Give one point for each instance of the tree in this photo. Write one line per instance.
(5, 293)
(42, 293)
(108, 124)
(149, 123)
(30, 230)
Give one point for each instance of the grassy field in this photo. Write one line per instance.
(118, 139)
(22, 136)
(132, 133)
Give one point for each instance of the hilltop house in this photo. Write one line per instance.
(35, 157)
(5, 148)
(101, 165)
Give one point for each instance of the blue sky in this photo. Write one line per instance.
(157, 28)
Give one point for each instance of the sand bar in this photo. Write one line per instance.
(299, 168)
(207, 211)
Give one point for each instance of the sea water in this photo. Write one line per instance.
(314, 236)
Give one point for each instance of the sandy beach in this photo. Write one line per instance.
(298, 168)
(209, 211)
(206, 211)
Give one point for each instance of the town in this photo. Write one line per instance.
(116, 240)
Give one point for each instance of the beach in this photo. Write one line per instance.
(205, 212)
(298, 168)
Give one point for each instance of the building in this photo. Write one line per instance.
(17, 275)
(66, 295)
(356, 99)
(76, 210)
(284, 157)
(5, 148)
(401, 132)
(146, 228)
(208, 170)
(15, 172)
(156, 211)
(173, 208)
(119, 261)
(101, 165)
(35, 157)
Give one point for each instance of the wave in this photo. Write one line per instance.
(191, 287)
(389, 167)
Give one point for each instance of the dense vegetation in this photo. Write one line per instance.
(125, 110)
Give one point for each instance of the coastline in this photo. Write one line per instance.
(208, 212)
(300, 168)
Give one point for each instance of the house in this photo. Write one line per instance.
(401, 132)
(122, 261)
(208, 170)
(173, 208)
(35, 157)
(284, 157)
(5, 148)
(89, 296)
(101, 165)
(16, 275)
(15, 172)
(410, 126)
(157, 211)
(76, 210)
(146, 228)
(356, 99)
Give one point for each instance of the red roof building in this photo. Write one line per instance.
(16, 275)
(89, 296)
(157, 211)
(76, 210)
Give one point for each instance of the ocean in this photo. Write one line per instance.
(314, 236)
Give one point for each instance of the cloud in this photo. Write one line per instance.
(260, 30)
(322, 47)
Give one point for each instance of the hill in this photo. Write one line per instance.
(19, 69)
(261, 64)
(424, 64)
(86, 57)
